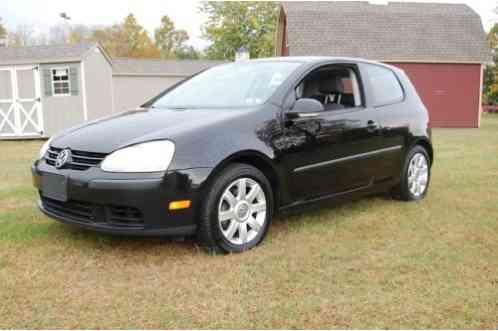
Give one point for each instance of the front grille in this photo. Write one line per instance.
(80, 160)
(86, 212)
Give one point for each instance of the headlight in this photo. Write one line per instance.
(146, 157)
(44, 148)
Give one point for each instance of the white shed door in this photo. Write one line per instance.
(20, 102)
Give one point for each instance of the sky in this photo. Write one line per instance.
(41, 14)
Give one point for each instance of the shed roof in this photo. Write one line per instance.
(397, 32)
(120, 66)
(45, 53)
(157, 67)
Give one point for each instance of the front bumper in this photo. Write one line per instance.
(124, 204)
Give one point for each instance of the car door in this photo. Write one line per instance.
(332, 151)
(387, 96)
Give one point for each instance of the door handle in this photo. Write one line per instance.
(372, 126)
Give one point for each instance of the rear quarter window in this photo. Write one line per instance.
(385, 86)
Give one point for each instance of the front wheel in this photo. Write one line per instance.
(237, 210)
(415, 176)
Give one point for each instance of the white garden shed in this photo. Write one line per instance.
(46, 89)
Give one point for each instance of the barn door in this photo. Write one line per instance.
(20, 103)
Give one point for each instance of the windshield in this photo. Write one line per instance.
(229, 85)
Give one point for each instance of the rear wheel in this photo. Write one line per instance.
(415, 175)
(237, 210)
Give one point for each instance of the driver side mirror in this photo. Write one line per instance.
(305, 108)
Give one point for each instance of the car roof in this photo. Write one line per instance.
(318, 60)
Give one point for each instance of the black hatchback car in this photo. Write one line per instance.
(220, 153)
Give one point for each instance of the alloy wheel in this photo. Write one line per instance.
(242, 211)
(418, 174)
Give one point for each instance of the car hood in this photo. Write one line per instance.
(109, 134)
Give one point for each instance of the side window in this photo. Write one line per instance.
(385, 87)
(336, 87)
(60, 81)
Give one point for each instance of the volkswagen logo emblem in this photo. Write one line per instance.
(63, 158)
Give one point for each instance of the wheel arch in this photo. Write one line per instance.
(426, 144)
(258, 160)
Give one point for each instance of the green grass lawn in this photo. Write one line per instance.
(374, 263)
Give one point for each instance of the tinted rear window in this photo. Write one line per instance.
(385, 87)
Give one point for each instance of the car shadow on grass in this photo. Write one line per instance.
(316, 212)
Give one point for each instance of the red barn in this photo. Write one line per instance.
(442, 47)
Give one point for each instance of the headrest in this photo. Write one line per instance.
(332, 85)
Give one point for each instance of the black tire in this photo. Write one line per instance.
(209, 234)
(402, 191)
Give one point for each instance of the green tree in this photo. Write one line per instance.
(169, 40)
(128, 39)
(231, 25)
(490, 88)
(137, 39)
(187, 53)
(3, 30)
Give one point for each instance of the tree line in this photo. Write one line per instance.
(228, 26)
(490, 88)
